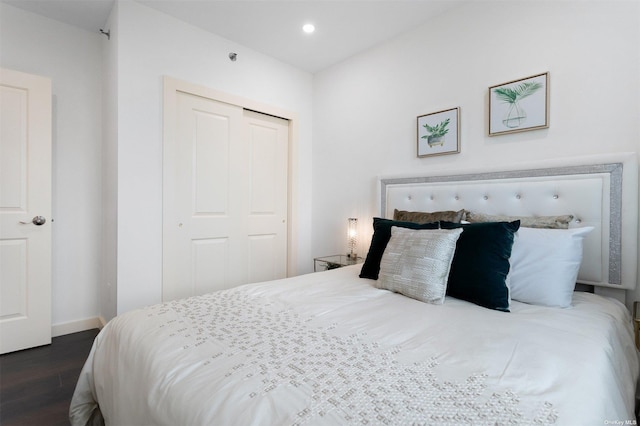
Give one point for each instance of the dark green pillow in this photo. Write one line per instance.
(481, 263)
(381, 236)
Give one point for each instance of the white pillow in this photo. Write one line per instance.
(416, 262)
(545, 264)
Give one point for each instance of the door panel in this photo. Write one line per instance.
(13, 157)
(268, 140)
(262, 266)
(210, 260)
(264, 169)
(13, 278)
(25, 192)
(198, 230)
(211, 163)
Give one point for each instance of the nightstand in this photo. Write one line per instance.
(335, 261)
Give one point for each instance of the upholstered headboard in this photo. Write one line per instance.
(601, 192)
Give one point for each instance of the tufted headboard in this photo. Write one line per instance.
(601, 192)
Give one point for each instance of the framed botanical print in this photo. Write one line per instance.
(519, 105)
(439, 133)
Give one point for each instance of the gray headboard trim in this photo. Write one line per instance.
(615, 225)
(615, 190)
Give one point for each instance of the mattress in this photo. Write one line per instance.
(330, 348)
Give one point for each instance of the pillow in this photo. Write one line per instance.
(481, 263)
(545, 264)
(551, 222)
(379, 240)
(426, 217)
(416, 263)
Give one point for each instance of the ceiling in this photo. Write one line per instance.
(343, 27)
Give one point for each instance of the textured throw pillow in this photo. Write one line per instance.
(545, 264)
(379, 240)
(481, 263)
(549, 222)
(426, 217)
(416, 263)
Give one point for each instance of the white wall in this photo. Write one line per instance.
(151, 45)
(71, 57)
(365, 109)
(364, 120)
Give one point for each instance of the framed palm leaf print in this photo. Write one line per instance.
(519, 105)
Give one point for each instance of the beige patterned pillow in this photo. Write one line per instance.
(549, 222)
(416, 263)
(426, 217)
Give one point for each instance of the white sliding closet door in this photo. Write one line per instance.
(225, 198)
(268, 141)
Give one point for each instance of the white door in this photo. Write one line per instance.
(224, 198)
(25, 211)
(268, 141)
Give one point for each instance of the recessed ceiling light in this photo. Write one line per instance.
(308, 28)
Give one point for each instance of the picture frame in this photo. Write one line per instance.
(439, 133)
(519, 105)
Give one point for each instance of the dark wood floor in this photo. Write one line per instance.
(36, 385)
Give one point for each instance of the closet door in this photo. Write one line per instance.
(225, 198)
(266, 212)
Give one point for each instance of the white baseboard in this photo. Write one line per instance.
(76, 326)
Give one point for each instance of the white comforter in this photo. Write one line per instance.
(329, 348)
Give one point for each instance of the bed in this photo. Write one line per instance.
(335, 348)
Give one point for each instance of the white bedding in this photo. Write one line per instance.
(329, 348)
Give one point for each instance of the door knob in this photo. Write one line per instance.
(37, 220)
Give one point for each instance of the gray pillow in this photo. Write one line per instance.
(426, 217)
(416, 263)
(548, 222)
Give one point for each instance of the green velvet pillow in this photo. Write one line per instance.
(481, 263)
(381, 235)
